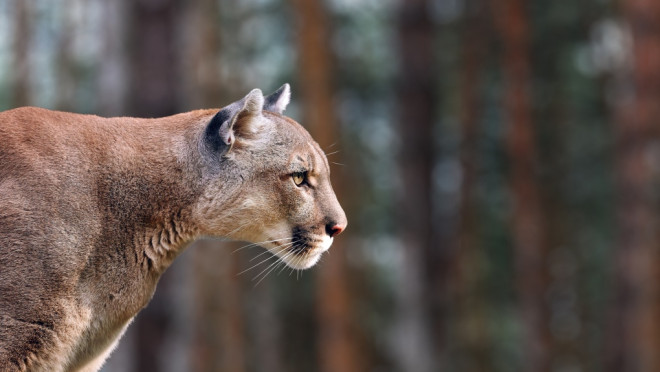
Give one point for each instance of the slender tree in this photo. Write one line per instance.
(22, 40)
(416, 102)
(219, 325)
(202, 33)
(471, 323)
(155, 63)
(111, 76)
(527, 220)
(636, 336)
(66, 64)
(336, 344)
(268, 332)
(557, 122)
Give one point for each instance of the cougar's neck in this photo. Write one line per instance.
(158, 244)
(147, 188)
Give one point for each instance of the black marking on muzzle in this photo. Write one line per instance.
(301, 241)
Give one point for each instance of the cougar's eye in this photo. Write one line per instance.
(299, 178)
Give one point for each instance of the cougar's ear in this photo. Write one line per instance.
(236, 119)
(278, 100)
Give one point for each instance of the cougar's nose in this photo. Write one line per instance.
(333, 228)
(335, 220)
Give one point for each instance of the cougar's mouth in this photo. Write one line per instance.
(302, 241)
(306, 248)
(301, 250)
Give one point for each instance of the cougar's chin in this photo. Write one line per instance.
(303, 250)
(305, 253)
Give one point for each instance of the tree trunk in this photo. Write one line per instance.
(66, 64)
(268, 332)
(154, 59)
(527, 223)
(636, 336)
(416, 101)
(219, 326)
(336, 344)
(203, 84)
(111, 80)
(21, 63)
(472, 335)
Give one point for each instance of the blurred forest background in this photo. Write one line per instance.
(499, 163)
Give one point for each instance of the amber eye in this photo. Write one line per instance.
(298, 178)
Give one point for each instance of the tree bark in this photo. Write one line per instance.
(472, 334)
(66, 64)
(527, 222)
(268, 332)
(111, 80)
(219, 326)
(636, 336)
(203, 85)
(154, 59)
(336, 341)
(21, 63)
(416, 102)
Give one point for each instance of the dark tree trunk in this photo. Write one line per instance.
(66, 64)
(153, 57)
(527, 223)
(111, 80)
(416, 101)
(268, 332)
(636, 327)
(22, 41)
(219, 325)
(472, 335)
(203, 84)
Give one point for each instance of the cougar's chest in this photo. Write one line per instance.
(112, 310)
(96, 343)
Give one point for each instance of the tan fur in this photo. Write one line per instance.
(93, 210)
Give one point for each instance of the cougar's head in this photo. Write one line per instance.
(269, 181)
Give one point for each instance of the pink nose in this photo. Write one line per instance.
(334, 230)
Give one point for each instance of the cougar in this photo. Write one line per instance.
(93, 210)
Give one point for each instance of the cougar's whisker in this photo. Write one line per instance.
(257, 264)
(274, 255)
(295, 260)
(278, 263)
(281, 262)
(267, 269)
(259, 243)
(284, 246)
